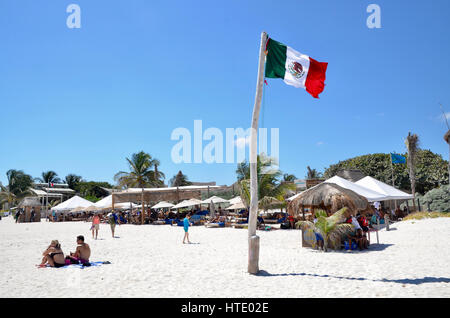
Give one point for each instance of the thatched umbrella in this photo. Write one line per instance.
(328, 196)
(30, 202)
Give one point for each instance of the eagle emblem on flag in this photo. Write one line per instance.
(296, 69)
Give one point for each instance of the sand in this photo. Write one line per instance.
(412, 260)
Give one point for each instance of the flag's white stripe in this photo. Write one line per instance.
(294, 56)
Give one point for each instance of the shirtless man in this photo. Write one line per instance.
(82, 253)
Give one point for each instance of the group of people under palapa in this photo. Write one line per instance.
(362, 225)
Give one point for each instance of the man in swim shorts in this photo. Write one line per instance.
(82, 252)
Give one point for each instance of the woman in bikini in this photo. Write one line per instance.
(53, 255)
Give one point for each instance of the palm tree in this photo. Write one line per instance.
(312, 173)
(271, 191)
(49, 177)
(6, 196)
(289, 177)
(179, 180)
(73, 180)
(140, 175)
(412, 145)
(17, 188)
(331, 227)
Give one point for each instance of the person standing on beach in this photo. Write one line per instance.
(95, 225)
(113, 220)
(186, 224)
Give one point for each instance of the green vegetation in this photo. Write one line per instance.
(179, 180)
(332, 228)
(426, 215)
(92, 189)
(313, 173)
(49, 177)
(438, 199)
(17, 188)
(271, 191)
(141, 174)
(431, 170)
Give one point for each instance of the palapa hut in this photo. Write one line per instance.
(28, 204)
(329, 197)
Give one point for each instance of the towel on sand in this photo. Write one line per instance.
(92, 264)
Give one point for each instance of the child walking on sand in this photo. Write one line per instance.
(186, 228)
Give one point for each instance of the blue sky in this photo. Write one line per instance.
(81, 100)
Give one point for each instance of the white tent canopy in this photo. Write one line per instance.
(187, 203)
(162, 204)
(106, 203)
(381, 187)
(72, 203)
(235, 200)
(369, 194)
(215, 200)
(236, 206)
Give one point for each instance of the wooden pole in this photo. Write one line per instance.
(392, 170)
(143, 211)
(253, 239)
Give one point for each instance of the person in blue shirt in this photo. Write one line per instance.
(186, 224)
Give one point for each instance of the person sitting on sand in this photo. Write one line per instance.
(53, 255)
(361, 239)
(82, 252)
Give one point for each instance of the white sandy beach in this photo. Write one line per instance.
(412, 260)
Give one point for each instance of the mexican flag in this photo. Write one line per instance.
(295, 68)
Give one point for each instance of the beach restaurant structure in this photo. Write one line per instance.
(151, 196)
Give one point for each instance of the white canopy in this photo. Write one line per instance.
(235, 200)
(369, 194)
(162, 204)
(381, 187)
(236, 206)
(214, 200)
(107, 201)
(186, 203)
(72, 203)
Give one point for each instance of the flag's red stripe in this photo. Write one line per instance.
(315, 82)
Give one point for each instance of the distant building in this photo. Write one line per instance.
(51, 191)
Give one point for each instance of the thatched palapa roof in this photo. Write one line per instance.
(329, 196)
(30, 201)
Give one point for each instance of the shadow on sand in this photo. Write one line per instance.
(411, 281)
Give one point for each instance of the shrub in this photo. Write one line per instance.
(426, 215)
(438, 199)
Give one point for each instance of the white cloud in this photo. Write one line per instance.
(241, 142)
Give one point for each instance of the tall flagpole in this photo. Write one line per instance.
(253, 239)
(392, 170)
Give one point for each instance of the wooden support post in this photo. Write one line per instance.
(253, 246)
(143, 208)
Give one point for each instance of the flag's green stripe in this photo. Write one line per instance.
(276, 59)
